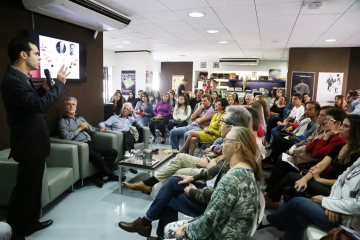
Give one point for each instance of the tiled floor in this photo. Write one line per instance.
(90, 213)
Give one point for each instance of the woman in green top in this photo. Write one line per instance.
(234, 205)
(208, 134)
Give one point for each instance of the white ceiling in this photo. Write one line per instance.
(262, 28)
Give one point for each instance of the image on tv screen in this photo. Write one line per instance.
(56, 52)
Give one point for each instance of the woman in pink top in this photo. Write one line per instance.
(162, 113)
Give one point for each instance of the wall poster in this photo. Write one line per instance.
(149, 80)
(274, 74)
(176, 80)
(329, 85)
(302, 82)
(128, 79)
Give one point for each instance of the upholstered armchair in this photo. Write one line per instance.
(61, 172)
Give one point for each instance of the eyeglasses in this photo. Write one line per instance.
(330, 120)
(127, 109)
(222, 121)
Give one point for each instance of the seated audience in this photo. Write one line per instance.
(306, 98)
(74, 127)
(230, 99)
(259, 109)
(232, 211)
(208, 134)
(123, 123)
(200, 119)
(249, 99)
(340, 102)
(353, 105)
(139, 98)
(156, 99)
(177, 196)
(185, 164)
(276, 115)
(162, 113)
(207, 86)
(131, 99)
(118, 101)
(275, 94)
(306, 127)
(317, 149)
(181, 88)
(322, 176)
(214, 99)
(214, 87)
(341, 207)
(261, 97)
(172, 98)
(181, 114)
(196, 99)
(236, 99)
(144, 109)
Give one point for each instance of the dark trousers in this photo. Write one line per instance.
(272, 123)
(296, 215)
(279, 145)
(25, 201)
(286, 187)
(129, 140)
(102, 157)
(278, 173)
(161, 127)
(170, 201)
(171, 125)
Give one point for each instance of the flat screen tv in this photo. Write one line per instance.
(55, 52)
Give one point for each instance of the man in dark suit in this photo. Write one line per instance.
(30, 143)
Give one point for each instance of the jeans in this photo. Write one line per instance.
(171, 200)
(145, 120)
(276, 131)
(177, 133)
(296, 215)
(272, 123)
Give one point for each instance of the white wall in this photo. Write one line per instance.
(109, 58)
(157, 66)
(138, 61)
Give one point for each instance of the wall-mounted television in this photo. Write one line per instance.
(57, 51)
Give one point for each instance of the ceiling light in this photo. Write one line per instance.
(223, 42)
(274, 41)
(315, 5)
(330, 40)
(126, 42)
(182, 55)
(196, 14)
(120, 46)
(212, 31)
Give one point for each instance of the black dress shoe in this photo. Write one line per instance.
(113, 177)
(38, 226)
(18, 237)
(97, 181)
(123, 178)
(134, 171)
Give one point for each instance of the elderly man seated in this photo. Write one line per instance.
(185, 164)
(75, 127)
(126, 123)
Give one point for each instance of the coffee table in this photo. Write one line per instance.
(161, 158)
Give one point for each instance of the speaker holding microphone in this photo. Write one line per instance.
(48, 77)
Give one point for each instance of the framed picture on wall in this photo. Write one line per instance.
(254, 75)
(216, 65)
(203, 65)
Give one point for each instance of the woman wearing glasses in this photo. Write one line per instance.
(234, 205)
(323, 175)
(208, 134)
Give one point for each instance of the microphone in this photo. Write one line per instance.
(48, 76)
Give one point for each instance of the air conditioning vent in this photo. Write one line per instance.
(85, 13)
(239, 61)
(102, 10)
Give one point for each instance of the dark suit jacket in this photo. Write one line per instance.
(25, 108)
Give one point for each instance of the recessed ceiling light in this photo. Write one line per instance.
(126, 42)
(212, 31)
(182, 55)
(120, 46)
(196, 14)
(274, 41)
(330, 40)
(223, 42)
